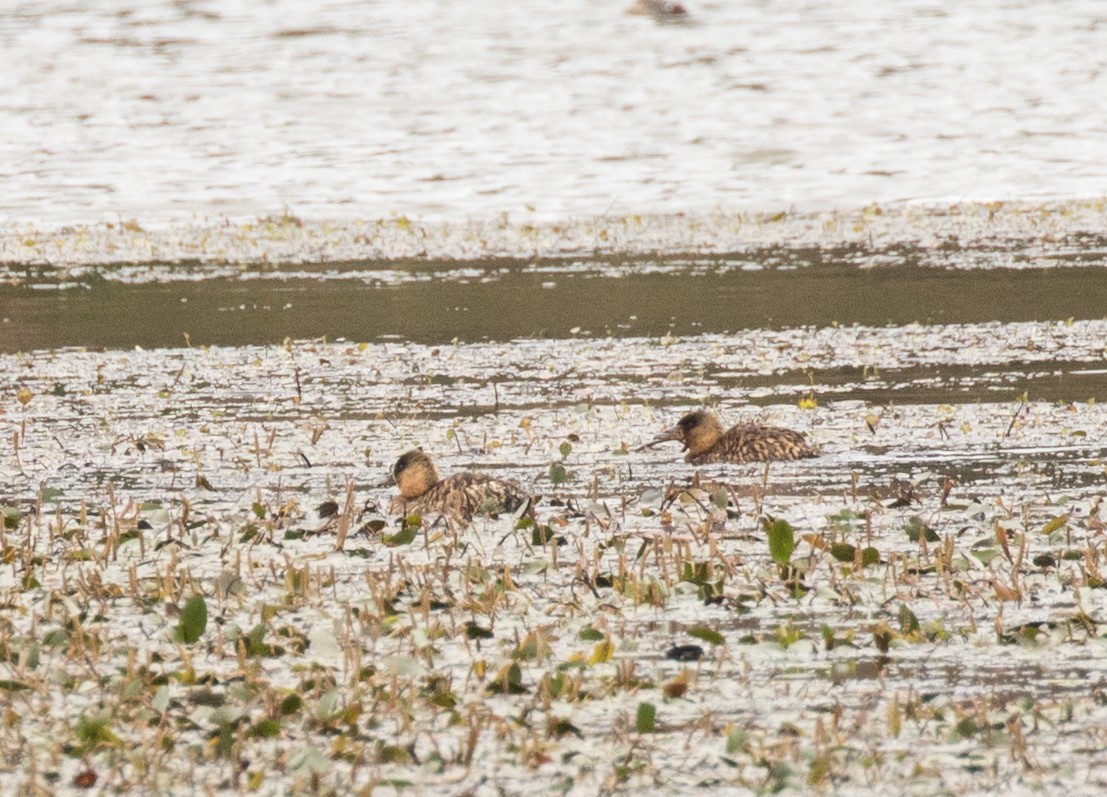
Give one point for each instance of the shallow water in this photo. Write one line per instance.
(629, 296)
(169, 110)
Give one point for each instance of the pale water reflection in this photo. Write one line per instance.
(167, 110)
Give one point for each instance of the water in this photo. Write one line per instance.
(172, 110)
(438, 302)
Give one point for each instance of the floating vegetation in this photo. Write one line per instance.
(991, 235)
(206, 588)
(202, 570)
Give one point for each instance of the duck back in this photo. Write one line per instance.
(755, 443)
(464, 495)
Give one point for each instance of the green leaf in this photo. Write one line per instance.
(161, 699)
(11, 516)
(870, 556)
(720, 498)
(590, 634)
(266, 729)
(94, 730)
(327, 707)
(32, 656)
(565, 449)
(402, 537)
(737, 740)
(647, 715)
(908, 622)
(310, 760)
(697, 573)
(986, 555)
(393, 754)
(255, 642)
(916, 528)
(544, 535)
(194, 620)
(557, 473)
(534, 646)
(291, 704)
(1055, 524)
(967, 727)
(508, 681)
(556, 685)
(56, 638)
(708, 635)
(782, 541)
(446, 700)
(842, 551)
(474, 631)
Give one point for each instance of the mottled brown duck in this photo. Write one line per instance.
(705, 440)
(460, 496)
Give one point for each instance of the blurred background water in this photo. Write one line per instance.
(167, 110)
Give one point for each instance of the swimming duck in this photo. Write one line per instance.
(705, 441)
(459, 496)
(659, 9)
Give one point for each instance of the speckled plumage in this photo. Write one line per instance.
(703, 438)
(460, 496)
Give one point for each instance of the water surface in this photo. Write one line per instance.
(173, 110)
(437, 302)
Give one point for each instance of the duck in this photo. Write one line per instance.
(659, 9)
(459, 497)
(705, 440)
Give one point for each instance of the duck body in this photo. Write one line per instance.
(460, 496)
(705, 440)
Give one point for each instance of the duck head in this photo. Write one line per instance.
(414, 473)
(697, 431)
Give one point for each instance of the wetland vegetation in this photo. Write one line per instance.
(202, 589)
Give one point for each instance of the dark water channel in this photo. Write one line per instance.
(439, 302)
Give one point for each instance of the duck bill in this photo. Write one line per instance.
(675, 433)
